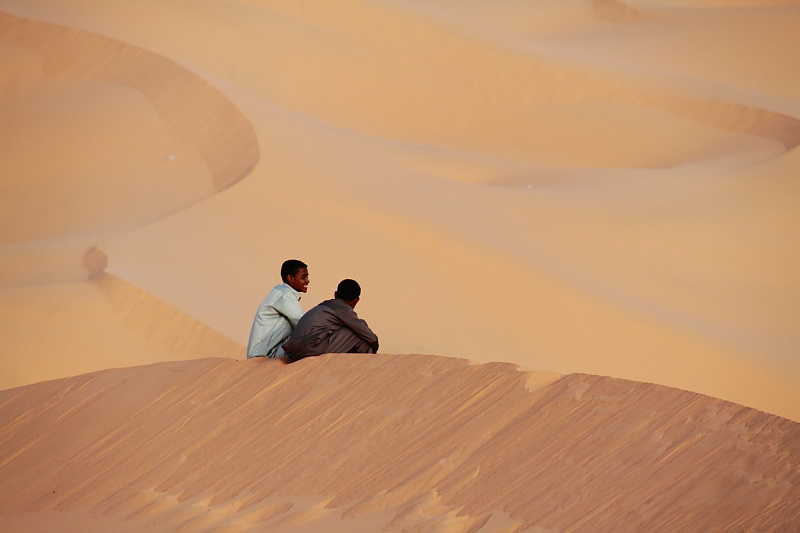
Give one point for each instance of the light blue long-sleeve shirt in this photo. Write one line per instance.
(274, 321)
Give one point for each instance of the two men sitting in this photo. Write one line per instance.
(281, 329)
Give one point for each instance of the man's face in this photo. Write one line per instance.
(299, 281)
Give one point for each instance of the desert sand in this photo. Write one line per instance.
(577, 188)
(387, 443)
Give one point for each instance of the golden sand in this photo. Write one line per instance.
(583, 188)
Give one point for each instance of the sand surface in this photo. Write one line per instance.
(388, 443)
(579, 187)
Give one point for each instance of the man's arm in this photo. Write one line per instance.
(290, 308)
(360, 328)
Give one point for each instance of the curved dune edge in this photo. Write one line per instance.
(157, 321)
(491, 114)
(389, 441)
(192, 110)
(54, 331)
(92, 123)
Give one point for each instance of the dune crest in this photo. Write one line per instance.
(105, 322)
(101, 137)
(415, 441)
(193, 111)
(161, 323)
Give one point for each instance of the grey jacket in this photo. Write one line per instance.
(331, 327)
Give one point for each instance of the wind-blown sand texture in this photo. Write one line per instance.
(581, 187)
(389, 443)
(572, 186)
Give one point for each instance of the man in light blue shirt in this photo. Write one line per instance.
(279, 313)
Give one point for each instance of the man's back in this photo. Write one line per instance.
(331, 327)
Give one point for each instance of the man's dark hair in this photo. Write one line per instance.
(290, 268)
(348, 290)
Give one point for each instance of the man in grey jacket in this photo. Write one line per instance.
(332, 327)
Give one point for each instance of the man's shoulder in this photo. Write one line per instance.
(339, 307)
(336, 304)
(322, 308)
(278, 293)
(285, 291)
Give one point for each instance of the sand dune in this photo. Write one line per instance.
(100, 138)
(105, 323)
(507, 184)
(405, 443)
(586, 188)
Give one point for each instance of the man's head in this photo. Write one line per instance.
(295, 274)
(348, 290)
